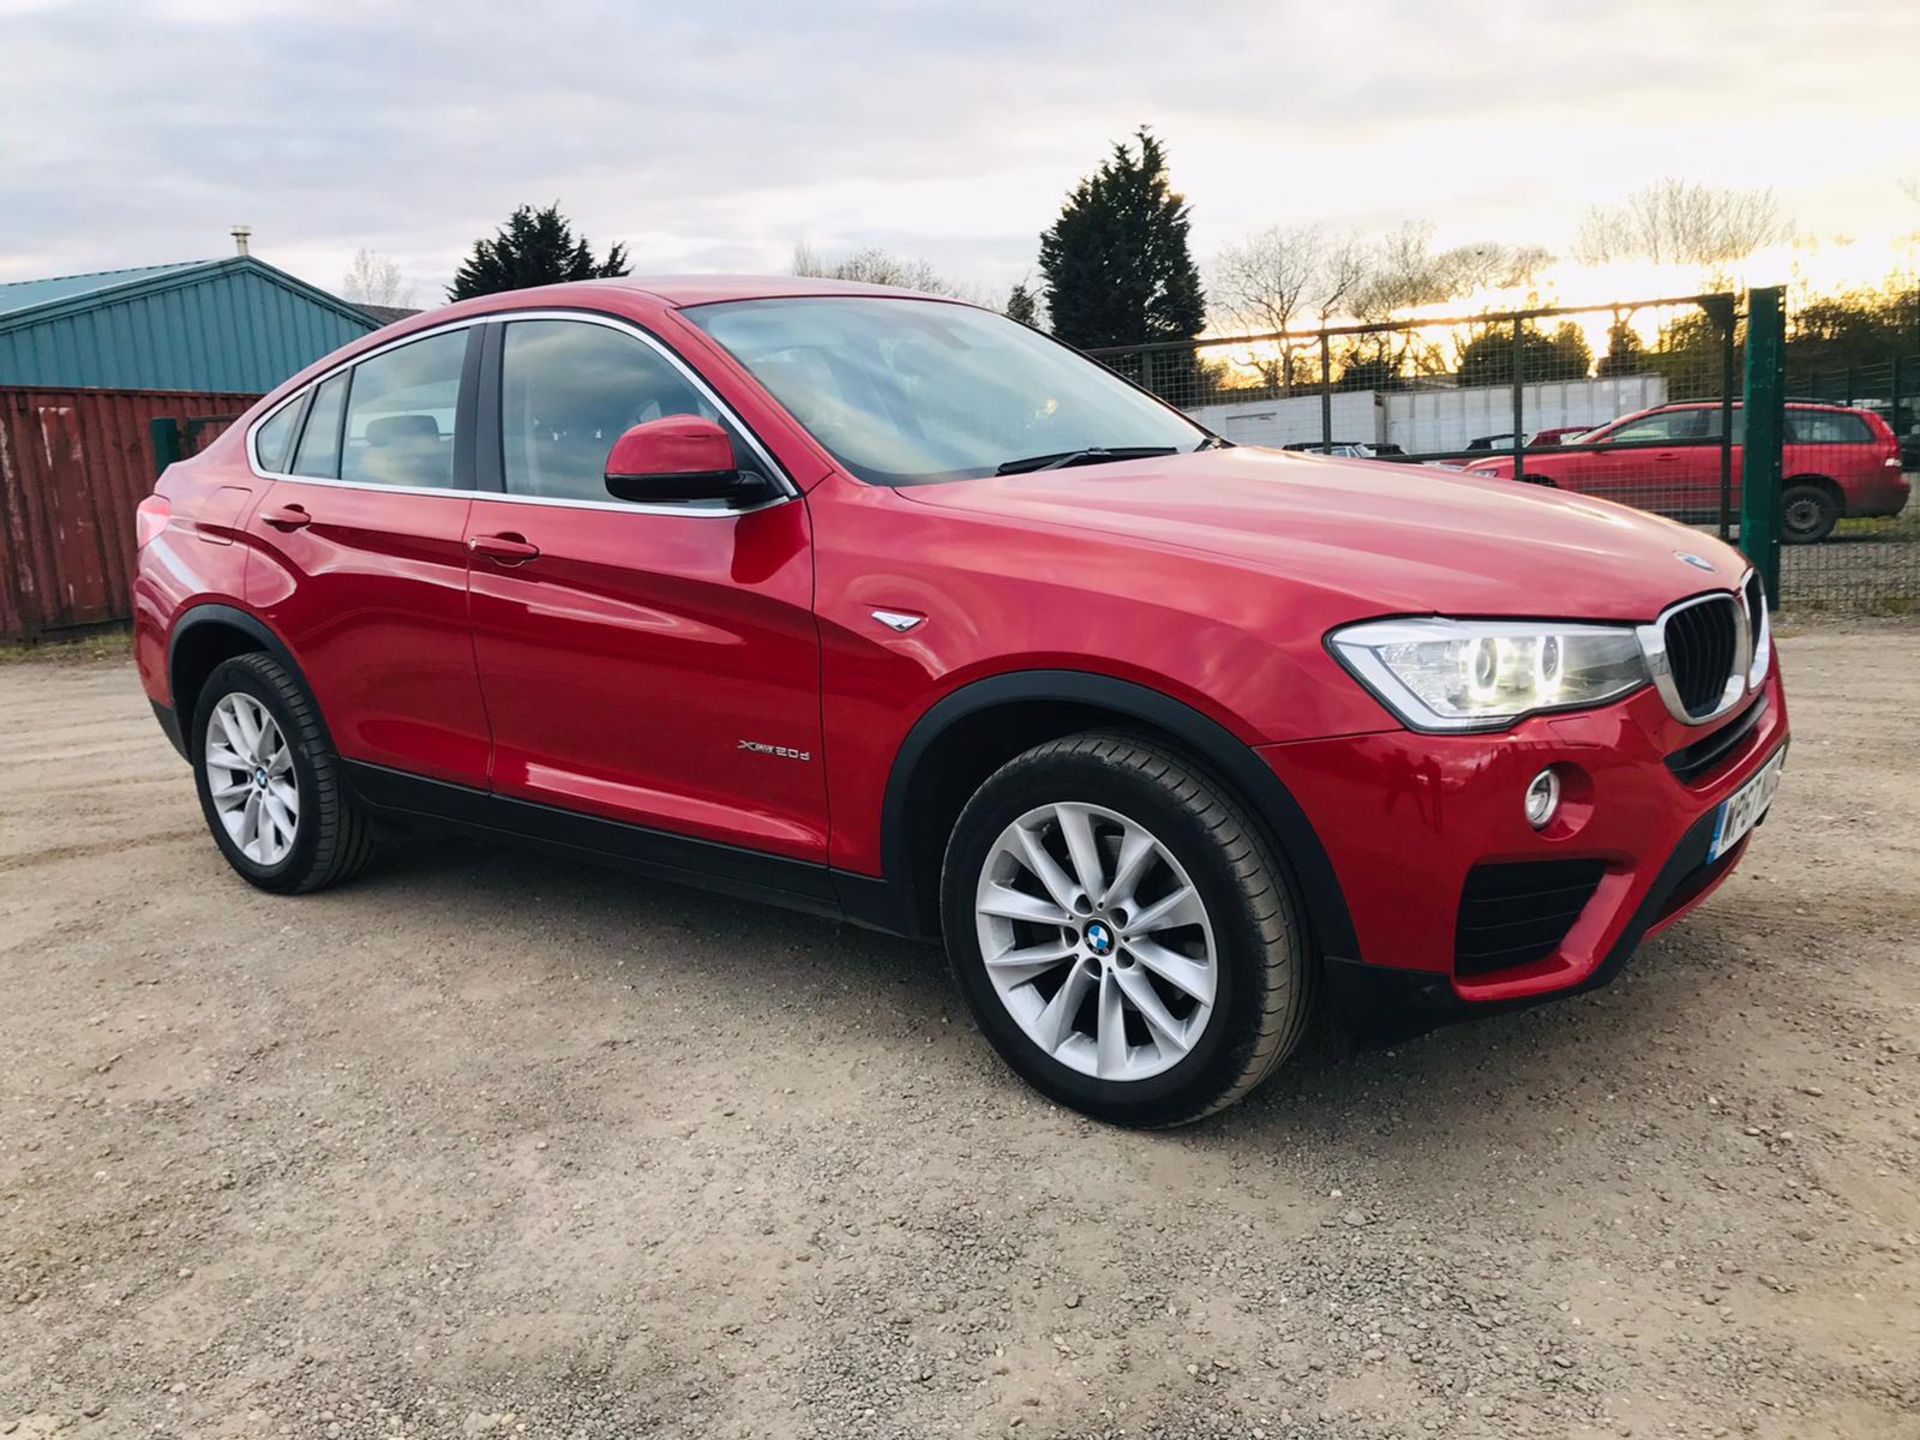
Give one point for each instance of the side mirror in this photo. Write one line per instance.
(679, 457)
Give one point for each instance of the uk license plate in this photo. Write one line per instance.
(1742, 810)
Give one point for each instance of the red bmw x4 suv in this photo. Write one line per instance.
(885, 607)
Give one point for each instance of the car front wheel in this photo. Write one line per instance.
(1122, 931)
(269, 784)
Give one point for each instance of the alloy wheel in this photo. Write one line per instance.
(250, 777)
(1096, 941)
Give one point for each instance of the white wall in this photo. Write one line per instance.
(1356, 416)
(1421, 421)
(1428, 420)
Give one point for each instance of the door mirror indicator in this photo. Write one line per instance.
(679, 457)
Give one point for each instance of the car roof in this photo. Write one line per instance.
(1715, 405)
(684, 290)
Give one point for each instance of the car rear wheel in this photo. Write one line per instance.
(269, 784)
(1808, 513)
(1123, 933)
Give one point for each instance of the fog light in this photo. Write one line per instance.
(1543, 798)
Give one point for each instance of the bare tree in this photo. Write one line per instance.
(872, 266)
(1281, 281)
(373, 279)
(1682, 222)
(1404, 272)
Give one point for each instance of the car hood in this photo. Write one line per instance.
(1395, 538)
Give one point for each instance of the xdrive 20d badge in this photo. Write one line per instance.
(887, 608)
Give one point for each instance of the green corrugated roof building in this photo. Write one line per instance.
(235, 325)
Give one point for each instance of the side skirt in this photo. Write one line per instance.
(749, 874)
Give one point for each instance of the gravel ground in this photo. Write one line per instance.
(490, 1145)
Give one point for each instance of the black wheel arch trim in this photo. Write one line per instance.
(230, 617)
(1330, 923)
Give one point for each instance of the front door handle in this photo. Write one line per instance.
(1666, 455)
(287, 517)
(504, 549)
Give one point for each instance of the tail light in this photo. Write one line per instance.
(149, 520)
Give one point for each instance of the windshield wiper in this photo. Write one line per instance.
(1092, 455)
(1214, 442)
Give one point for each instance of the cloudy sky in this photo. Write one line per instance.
(716, 135)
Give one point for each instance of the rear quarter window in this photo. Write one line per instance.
(1826, 427)
(273, 439)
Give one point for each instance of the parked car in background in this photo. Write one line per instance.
(1538, 439)
(1837, 462)
(1558, 435)
(1345, 449)
(887, 608)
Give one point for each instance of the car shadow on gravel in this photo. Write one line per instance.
(1457, 1085)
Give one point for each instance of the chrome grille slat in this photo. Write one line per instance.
(1698, 653)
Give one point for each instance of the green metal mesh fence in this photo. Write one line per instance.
(1637, 402)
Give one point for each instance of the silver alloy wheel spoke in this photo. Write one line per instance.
(1055, 1023)
(1015, 905)
(1183, 974)
(1046, 869)
(1078, 828)
(1096, 941)
(1144, 998)
(1136, 854)
(1018, 966)
(250, 779)
(1182, 907)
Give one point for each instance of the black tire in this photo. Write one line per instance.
(1808, 513)
(332, 840)
(1265, 980)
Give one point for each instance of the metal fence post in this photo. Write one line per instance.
(1326, 393)
(1765, 409)
(166, 444)
(1720, 311)
(1893, 398)
(1519, 401)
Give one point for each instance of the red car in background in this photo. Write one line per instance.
(1838, 462)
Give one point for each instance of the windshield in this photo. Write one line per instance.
(908, 392)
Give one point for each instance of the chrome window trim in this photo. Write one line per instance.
(789, 490)
(1653, 645)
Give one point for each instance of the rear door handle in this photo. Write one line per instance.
(287, 517)
(507, 549)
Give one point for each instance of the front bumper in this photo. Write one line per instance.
(1405, 818)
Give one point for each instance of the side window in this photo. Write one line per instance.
(319, 452)
(1665, 425)
(1826, 427)
(568, 390)
(1711, 430)
(400, 415)
(273, 439)
(1648, 427)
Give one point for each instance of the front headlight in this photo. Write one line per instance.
(1486, 674)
